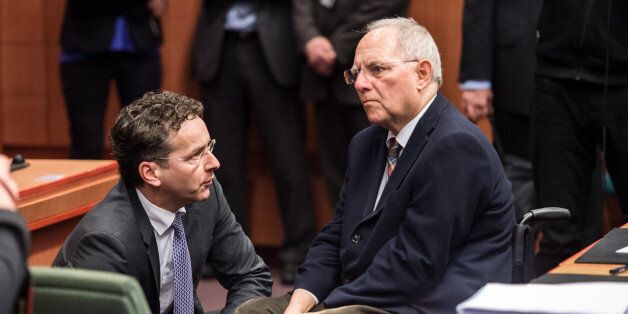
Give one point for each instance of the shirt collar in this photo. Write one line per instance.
(160, 218)
(404, 134)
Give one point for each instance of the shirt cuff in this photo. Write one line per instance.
(473, 84)
(312, 295)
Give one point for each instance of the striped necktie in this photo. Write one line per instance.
(393, 153)
(182, 269)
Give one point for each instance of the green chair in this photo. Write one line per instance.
(65, 290)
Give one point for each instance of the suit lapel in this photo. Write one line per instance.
(376, 166)
(412, 151)
(146, 230)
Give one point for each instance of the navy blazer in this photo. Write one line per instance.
(441, 230)
(117, 236)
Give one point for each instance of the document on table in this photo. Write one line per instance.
(573, 298)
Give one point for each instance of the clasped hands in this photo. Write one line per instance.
(477, 104)
(300, 302)
(321, 55)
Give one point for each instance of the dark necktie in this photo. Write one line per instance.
(182, 269)
(393, 153)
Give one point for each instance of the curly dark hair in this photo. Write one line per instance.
(141, 130)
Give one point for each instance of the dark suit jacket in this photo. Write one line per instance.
(274, 30)
(88, 25)
(117, 236)
(342, 25)
(14, 250)
(441, 230)
(499, 39)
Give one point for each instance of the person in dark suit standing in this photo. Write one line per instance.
(327, 33)
(245, 59)
(580, 108)
(168, 214)
(425, 216)
(497, 81)
(103, 41)
(14, 246)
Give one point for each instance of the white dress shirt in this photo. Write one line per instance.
(161, 220)
(402, 138)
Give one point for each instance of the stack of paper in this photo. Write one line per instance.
(573, 298)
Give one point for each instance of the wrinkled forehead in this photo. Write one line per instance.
(379, 45)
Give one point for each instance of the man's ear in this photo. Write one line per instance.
(425, 74)
(150, 173)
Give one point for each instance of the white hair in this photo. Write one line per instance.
(415, 41)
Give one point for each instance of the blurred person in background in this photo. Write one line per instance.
(580, 106)
(245, 59)
(104, 41)
(497, 82)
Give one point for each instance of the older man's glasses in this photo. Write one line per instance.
(375, 70)
(196, 159)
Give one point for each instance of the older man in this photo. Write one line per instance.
(426, 214)
(168, 214)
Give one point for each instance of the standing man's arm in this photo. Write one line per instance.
(232, 256)
(476, 64)
(14, 240)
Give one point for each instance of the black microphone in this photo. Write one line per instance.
(18, 162)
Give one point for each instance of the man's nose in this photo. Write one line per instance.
(362, 83)
(211, 162)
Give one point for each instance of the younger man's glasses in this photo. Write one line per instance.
(197, 159)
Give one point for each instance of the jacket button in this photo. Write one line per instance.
(356, 238)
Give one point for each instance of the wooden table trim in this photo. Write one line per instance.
(68, 180)
(51, 220)
(569, 266)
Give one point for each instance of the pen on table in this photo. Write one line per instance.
(618, 270)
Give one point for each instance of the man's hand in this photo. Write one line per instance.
(300, 302)
(477, 103)
(8, 187)
(157, 7)
(321, 55)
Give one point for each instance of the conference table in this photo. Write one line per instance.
(570, 269)
(55, 194)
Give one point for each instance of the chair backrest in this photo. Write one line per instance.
(523, 241)
(64, 290)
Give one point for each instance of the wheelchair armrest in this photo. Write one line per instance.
(546, 214)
